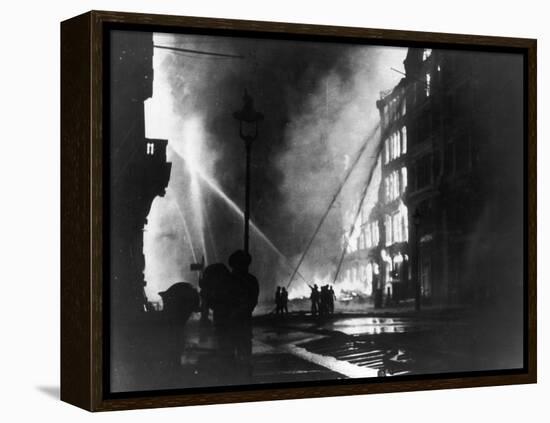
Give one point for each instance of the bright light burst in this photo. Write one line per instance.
(192, 155)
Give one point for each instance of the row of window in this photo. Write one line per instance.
(395, 145)
(395, 184)
(370, 236)
(397, 227)
(395, 109)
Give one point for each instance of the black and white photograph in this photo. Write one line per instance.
(287, 211)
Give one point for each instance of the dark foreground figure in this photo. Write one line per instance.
(232, 296)
(180, 300)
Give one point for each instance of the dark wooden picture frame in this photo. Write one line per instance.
(83, 219)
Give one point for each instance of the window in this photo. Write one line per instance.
(150, 148)
(396, 150)
(375, 233)
(426, 53)
(392, 186)
(428, 84)
(372, 234)
(396, 226)
(396, 185)
(388, 230)
(395, 145)
(403, 179)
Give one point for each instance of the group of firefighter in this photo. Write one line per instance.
(322, 300)
(281, 300)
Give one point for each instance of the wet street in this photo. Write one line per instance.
(382, 344)
(299, 347)
(358, 346)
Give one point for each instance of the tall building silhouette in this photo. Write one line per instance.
(138, 169)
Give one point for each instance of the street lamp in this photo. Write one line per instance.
(416, 221)
(247, 117)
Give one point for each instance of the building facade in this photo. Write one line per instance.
(392, 254)
(138, 171)
(464, 196)
(378, 256)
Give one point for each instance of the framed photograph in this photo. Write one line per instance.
(259, 211)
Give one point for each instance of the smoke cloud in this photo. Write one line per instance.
(319, 102)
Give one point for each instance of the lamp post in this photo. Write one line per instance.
(247, 117)
(417, 293)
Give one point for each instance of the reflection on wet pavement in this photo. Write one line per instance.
(371, 325)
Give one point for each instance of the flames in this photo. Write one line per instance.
(346, 287)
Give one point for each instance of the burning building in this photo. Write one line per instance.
(389, 251)
(138, 169)
(377, 256)
(359, 271)
(447, 218)
(377, 250)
